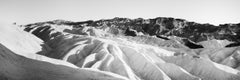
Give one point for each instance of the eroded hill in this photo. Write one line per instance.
(119, 48)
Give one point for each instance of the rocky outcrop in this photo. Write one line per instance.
(175, 27)
(169, 27)
(120, 49)
(140, 57)
(161, 26)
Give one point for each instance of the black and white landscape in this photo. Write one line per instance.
(119, 48)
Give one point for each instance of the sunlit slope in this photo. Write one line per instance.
(20, 61)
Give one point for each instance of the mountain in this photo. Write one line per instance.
(167, 27)
(163, 27)
(19, 60)
(119, 49)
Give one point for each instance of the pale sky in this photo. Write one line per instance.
(201, 11)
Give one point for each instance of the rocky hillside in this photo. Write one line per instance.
(119, 49)
(163, 26)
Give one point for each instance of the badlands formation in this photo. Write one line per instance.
(120, 49)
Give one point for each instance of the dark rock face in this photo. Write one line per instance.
(233, 45)
(173, 27)
(162, 37)
(191, 44)
(160, 27)
(130, 32)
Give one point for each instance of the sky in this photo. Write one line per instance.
(201, 11)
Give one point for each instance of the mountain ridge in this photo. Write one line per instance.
(163, 27)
